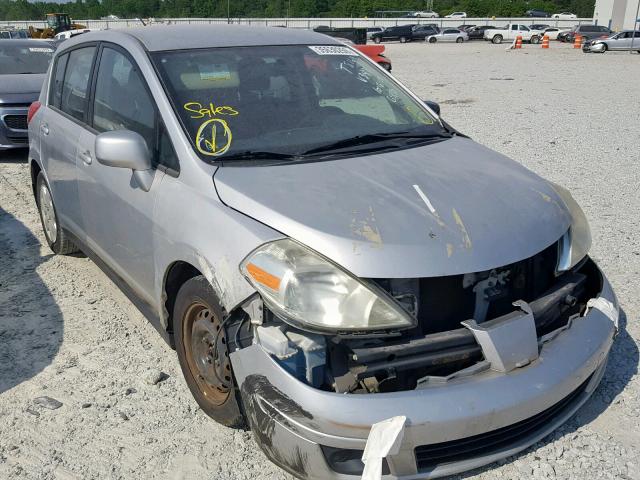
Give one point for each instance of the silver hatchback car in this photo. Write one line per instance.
(330, 259)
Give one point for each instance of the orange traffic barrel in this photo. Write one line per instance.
(519, 41)
(577, 43)
(545, 41)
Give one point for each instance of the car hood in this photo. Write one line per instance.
(20, 88)
(448, 208)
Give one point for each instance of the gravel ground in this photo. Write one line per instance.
(124, 411)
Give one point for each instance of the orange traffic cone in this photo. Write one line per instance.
(545, 41)
(577, 43)
(518, 41)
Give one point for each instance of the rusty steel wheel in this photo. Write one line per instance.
(207, 353)
(201, 344)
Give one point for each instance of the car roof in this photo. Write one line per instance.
(180, 37)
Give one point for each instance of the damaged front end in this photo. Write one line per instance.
(458, 372)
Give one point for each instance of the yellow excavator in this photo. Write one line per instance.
(56, 23)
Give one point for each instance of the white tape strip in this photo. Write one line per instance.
(384, 439)
(606, 307)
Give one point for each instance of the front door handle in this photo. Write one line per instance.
(86, 157)
(44, 128)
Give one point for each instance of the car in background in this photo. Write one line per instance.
(465, 27)
(587, 32)
(372, 30)
(448, 35)
(420, 32)
(554, 32)
(70, 33)
(402, 33)
(9, 33)
(374, 52)
(426, 14)
(510, 32)
(23, 65)
(564, 16)
(617, 41)
(539, 26)
(536, 14)
(477, 32)
(456, 15)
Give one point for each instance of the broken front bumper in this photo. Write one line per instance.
(451, 427)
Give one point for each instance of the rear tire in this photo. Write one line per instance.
(202, 351)
(459, 40)
(56, 237)
(497, 39)
(535, 40)
(377, 40)
(403, 39)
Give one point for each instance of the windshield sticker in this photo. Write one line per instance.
(197, 110)
(40, 50)
(214, 137)
(333, 50)
(216, 73)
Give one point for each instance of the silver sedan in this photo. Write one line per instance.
(448, 35)
(626, 40)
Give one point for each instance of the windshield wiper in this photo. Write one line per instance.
(258, 155)
(373, 138)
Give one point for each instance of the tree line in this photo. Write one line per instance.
(95, 9)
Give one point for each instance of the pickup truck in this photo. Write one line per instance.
(510, 32)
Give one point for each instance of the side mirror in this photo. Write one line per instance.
(126, 149)
(433, 106)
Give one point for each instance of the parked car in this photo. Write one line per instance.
(456, 15)
(511, 32)
(553, 33)
(372, 30)
(465, 27)
(23, 64)
(562, 35)
(588, 32)
(539, 26)
(477, 33)
(374, 52)
(448, 35)
(564, 16)
(323, 251)
(70, 33)
(617, 41)
(8, 33)
(426, 14)
(420, 32)
(536, 14)
(403, 33)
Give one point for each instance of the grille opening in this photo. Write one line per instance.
(16, 122)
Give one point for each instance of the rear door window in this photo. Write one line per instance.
(55, 92)
(76, 82)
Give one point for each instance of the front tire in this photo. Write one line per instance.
(497, 39)
(403, 39)
(56, 237)
(377, 40)
(201, 344)
(433, 40)
(605, 47)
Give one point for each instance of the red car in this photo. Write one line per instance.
(374, 52)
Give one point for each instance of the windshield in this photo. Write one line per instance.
(20, 59)
(286, 100)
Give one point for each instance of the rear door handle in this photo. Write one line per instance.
(86, 157)
(44, 128)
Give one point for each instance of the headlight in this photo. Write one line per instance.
(575, 244)
(309, 291)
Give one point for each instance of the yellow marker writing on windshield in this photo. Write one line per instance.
(209, 134)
